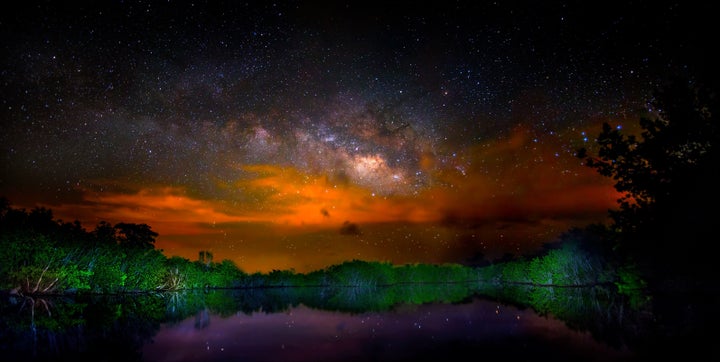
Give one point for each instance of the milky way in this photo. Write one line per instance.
(198, 116)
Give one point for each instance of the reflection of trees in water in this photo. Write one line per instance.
(32, 304)
(174, 305)
(608, 315)
(202, 319)
(35, 303)
(120, 326)
(97, 328)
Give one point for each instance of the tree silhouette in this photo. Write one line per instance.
(104, 234)
(41, 219)
(669, 179)
(135, 236)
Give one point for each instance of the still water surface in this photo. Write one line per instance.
(438, 331)
(404, 323)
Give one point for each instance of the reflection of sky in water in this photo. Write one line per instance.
(484, 328)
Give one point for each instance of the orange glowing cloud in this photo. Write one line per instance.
(521, 177)
(516, 178)
(516, 192)
(520, 189)
(168, 210)
(298, 198)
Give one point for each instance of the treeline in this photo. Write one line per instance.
(41, 255)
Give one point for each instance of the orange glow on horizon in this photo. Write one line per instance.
(168, 210)
(517, 181)
(511, 178)
(302, 199)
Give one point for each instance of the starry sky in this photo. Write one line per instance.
(296, 135)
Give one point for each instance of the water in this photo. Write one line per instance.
(402, 323)
(436, 331)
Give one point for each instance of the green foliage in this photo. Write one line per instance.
(568, 266)
(43, 256)
(145, 269)
(515, 271)
(628, 280)
(178, 271)
(630, 284)
(105, 263)
(40, 264)
(544, 270)
(359, 273)
(181, 273)
(225, 275)
(31, 279)
(73, 278)
(34, 265)
(579, 258)
(15, 252)
(490, 274)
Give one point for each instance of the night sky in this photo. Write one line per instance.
(302, 134)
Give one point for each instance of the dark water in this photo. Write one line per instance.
(480, 328)
(387, 324)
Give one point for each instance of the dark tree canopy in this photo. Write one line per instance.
(668, 175)
(104, 233)
(40, 220)
(138, 236)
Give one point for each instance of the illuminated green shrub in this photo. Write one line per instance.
(145, 269)
(515, 271)
(225, 275)
(106, 267)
